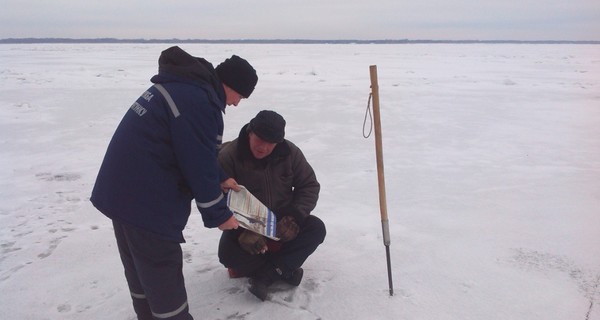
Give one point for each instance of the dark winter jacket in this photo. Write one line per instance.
(284, 181)
(163, 155)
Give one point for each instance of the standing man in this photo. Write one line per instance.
(163, 155)
(276, 172)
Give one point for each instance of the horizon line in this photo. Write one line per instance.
(32, 40)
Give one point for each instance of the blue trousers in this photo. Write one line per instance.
(153, 269)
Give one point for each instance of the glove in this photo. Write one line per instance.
(287, 229)
(252, 242)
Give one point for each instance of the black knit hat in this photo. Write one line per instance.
(238, 74)
(269, 126)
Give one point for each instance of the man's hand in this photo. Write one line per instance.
(230, 183)
(252, 242)
(231, 223)
(287, 229)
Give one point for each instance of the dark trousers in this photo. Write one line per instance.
(153, 269)
(288, 258)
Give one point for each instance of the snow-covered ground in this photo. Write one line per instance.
(492, 167)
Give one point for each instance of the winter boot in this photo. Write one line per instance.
(295, 278)
(262, 279)
(258, 289)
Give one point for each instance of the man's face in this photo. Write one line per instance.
(232, 98)
(259, 147)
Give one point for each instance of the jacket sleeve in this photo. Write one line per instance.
(225, 159)
(196, 136)
(306, 186)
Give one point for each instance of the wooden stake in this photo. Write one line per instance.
(380, 173)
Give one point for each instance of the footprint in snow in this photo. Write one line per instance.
(53, 245)
(66, 176)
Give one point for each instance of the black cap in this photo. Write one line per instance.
(269, 126)
(238, 74)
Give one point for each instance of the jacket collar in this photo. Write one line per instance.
(175, 64)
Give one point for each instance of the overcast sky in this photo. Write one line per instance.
(303, 19)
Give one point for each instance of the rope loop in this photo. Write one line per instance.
(368, 113)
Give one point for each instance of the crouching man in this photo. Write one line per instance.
(276, 172)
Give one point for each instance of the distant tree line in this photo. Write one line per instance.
(281, 41)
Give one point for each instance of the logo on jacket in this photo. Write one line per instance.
(137, 108)
(147, 96)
